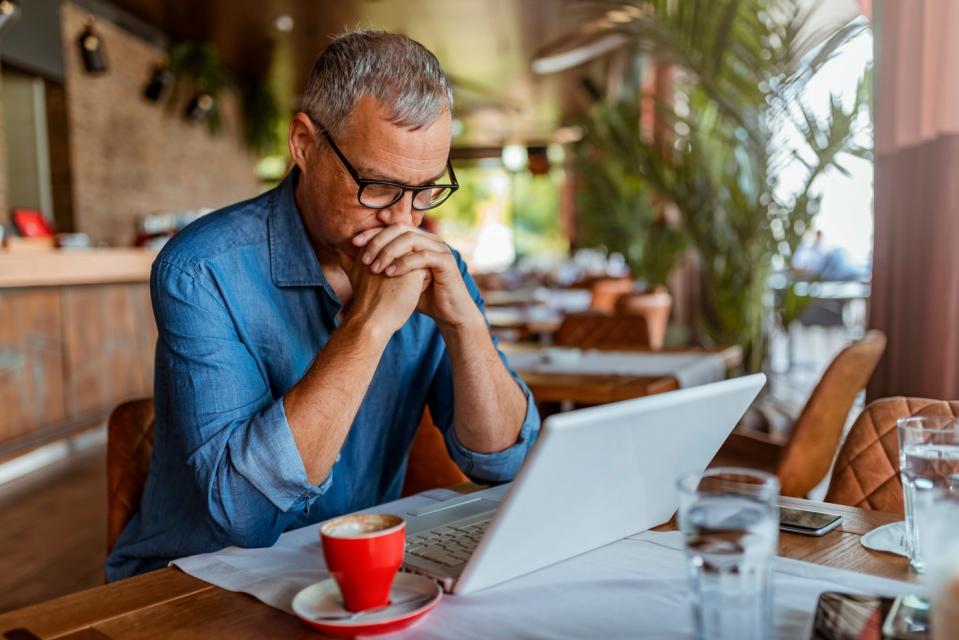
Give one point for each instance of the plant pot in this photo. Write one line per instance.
(654, 306)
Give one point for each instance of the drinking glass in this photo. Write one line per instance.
(938, 519)
(928, 462)
(730, 520)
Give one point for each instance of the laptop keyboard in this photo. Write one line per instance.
(447, 546)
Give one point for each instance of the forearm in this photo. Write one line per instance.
(321, 407)
(488, 405)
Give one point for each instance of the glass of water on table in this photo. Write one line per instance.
(928, 465)
(730, 520)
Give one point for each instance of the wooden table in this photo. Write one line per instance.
(583, 389)
(168, 603)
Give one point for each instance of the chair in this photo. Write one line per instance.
(430, 465)
(866, 474)
(598, 330)
(130, 445)
(807, 455)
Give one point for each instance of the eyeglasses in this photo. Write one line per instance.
(380, 194)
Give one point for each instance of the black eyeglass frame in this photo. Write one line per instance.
(363, 183)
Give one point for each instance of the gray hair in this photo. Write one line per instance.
(399, 72)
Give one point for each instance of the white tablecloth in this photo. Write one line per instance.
(689, 369)
(633, 588)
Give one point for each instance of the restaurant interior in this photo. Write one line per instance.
(653, 198)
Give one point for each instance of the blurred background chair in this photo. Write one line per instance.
(866, 474)
(804, 460)
(130, 444)
(599, 330)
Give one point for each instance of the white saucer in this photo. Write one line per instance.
(323, 599)
(889, 538)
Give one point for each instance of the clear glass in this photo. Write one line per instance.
(730, 519)
(938, 519)
(928, 461)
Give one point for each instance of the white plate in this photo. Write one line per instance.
(323, 599)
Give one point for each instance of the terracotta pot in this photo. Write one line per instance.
(654, 306)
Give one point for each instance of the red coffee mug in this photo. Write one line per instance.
(364, 552)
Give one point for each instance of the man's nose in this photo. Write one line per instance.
(400, 212)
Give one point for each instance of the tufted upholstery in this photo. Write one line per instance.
(866, 474)
(597, 330)
(430, 465)
(816, 433)
(130, 445)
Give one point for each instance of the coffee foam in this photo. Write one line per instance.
(359, 525)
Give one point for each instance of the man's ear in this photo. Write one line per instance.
(302, 140)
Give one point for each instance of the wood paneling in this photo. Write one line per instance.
(31, 362)
(107, 360)
(68, 356)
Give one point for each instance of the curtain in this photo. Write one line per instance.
(915, 286)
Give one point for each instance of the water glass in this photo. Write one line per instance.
(730, 520)
(928, 462)
(938, 519)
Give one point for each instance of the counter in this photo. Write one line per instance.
(76, 339)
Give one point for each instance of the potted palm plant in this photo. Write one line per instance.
(617, 209)
(740, 67)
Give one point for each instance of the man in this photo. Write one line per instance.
(302, 333)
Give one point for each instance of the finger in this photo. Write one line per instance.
(407, 243)
(383, 238)
(363, 237)
(416, 260)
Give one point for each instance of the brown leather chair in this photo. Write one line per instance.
(599, 330)
(430, 465)
(866, 474)
(805, 459)
(130, 445)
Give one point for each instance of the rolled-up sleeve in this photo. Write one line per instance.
(499, 466)
(216, 407)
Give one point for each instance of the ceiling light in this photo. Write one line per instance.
(515, 157)
(284, 23)
(91, 50)
(9, 12)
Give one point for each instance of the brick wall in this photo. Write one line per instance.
(129, 156)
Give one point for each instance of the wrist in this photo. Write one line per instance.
(366, 328)
(470, 326)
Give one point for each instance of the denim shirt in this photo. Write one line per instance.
(242, 309)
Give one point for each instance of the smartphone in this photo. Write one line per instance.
(845, 616)
(810, 523)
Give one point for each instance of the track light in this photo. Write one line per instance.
(199, 107)
(91, 50)
(9, 13)
(160, 81)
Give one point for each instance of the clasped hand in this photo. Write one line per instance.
(402, 268)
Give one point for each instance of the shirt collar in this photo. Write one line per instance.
(293, 261)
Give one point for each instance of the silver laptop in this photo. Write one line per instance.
(593, 477)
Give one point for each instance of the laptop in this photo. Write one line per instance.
(593, 476)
